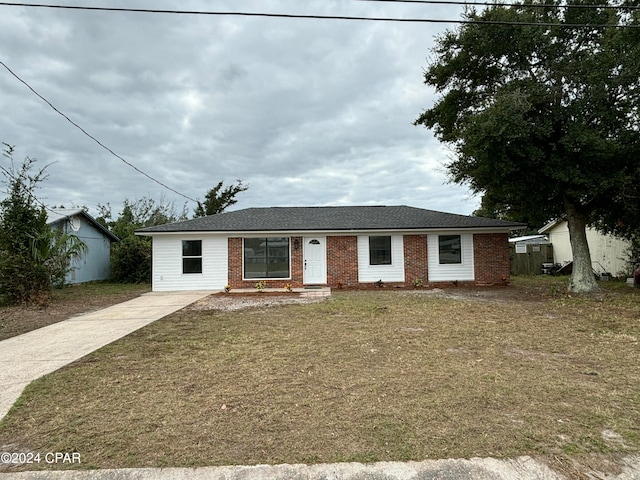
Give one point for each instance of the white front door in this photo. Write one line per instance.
(315, 260)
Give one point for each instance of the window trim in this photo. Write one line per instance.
(386, 264)
(190, 257)
(440, 262)
(252, 279)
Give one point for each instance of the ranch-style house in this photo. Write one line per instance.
(344, 246)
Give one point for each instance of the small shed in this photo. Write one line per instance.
(95, 263)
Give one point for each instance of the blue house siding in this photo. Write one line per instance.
(95, 263)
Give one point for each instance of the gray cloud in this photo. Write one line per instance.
(306, 112)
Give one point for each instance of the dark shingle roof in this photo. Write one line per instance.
(330, 219)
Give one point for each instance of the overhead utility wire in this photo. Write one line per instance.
(94, 138)
(491, 4)
(319, 17)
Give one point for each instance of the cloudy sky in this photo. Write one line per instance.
(306, 112)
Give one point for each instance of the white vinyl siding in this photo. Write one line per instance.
(444, 272)
(167, 263)
(608, 252)
(387, 273)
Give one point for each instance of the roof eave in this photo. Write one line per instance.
(89, 218)
(550, 225)
(338, 231)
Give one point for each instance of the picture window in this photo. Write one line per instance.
(266, 258)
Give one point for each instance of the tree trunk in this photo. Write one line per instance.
(582, 277)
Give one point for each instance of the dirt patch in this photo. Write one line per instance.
(538, 289)
(237, 301)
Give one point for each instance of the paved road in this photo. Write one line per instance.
(29, 356)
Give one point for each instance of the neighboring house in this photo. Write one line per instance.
(608, 253)
(95, 263)
(334, 246)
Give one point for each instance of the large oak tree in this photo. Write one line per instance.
(543, 119)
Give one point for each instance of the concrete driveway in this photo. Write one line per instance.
(29, 356)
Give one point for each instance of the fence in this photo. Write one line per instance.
(527, 259)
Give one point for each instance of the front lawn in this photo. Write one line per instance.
(65, 303)
(363, 376)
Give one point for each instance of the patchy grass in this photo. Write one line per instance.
(364, 376)
(65, 302)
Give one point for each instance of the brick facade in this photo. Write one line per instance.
(490, 250)
(342, 261)
(491, 258)
(235, 266)
(415, 259)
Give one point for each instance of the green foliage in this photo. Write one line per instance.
(131, 260)
(140, 213)
(217, 200)
(543, 120)
(21, 215)
(55, 249)
(22, 280)
(490, 208)
(33, 257)
(131, 257)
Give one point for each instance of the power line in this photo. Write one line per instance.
(320, 17)
(492, 4)
(94, 138)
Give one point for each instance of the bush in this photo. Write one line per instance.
(24, 280)
(32, 256)
(131, 260)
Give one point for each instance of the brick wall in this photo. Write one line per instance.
(491, 258)
(235, 262)
(342, 261)
(235, 266)
(415, 259)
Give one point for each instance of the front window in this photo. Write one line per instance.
(379, 250)
(192, 256)
(266, 257)
(450, 249)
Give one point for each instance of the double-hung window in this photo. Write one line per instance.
(192, 256)
(380, 250)
(266, 257)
